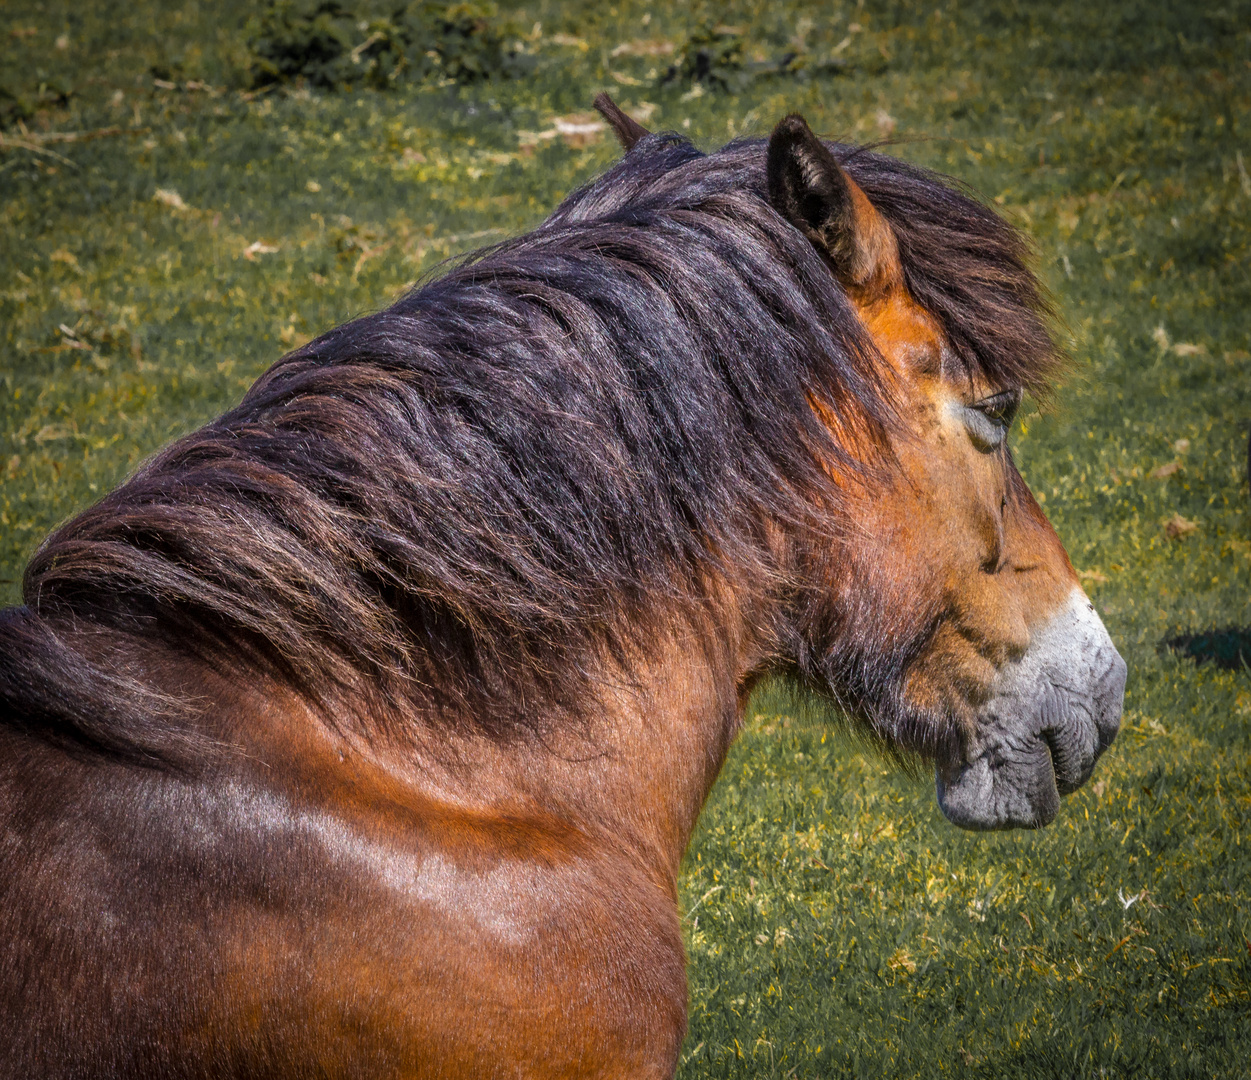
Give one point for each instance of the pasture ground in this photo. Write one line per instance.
(836, 925)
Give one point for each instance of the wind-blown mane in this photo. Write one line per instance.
(464, 505)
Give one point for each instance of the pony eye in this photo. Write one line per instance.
(988, 420)
(1001, 407)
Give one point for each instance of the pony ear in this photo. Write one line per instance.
(809, 188)
(628, 130)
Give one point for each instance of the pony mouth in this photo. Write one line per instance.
(981, 796)
(1052, 716)
(1069, 771)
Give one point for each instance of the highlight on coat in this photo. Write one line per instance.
(363, 729)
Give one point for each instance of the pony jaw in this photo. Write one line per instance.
(1049, 717)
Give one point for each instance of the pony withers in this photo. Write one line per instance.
(361, 732)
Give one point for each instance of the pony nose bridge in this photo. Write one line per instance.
(994, 561)
(992, 624)
(996, 540)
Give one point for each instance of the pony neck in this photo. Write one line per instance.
(633, 778)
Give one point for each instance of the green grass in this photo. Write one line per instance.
(837, 925)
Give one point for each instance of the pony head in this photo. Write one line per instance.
(958, 625)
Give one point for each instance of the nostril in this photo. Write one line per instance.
(1108, 701)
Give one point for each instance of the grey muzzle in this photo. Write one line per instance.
(1050, 715)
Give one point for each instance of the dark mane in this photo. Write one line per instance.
(465, 505)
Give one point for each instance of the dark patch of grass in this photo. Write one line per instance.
(713, 55)
(837, 925)
(314, 44)
(331, 46)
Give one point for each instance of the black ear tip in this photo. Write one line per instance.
(793, 128)
(805, 183)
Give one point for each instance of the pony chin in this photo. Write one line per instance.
(1049, 717)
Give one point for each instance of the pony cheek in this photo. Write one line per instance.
(1049, 717)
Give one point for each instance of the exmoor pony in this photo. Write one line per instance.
(360, 733)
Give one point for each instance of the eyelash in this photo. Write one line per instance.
(1001, 407)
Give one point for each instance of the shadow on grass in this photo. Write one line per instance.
(1229, 647)
(1047, 1064)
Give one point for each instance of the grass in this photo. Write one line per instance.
(836, 924)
